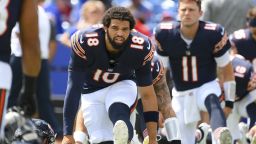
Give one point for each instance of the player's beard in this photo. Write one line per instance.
(115, 45)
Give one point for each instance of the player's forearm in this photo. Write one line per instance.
(71, 102)
(227, 72)
(163, 98)
(229, 85)
(31, 62)
(30, 38)
(152, 130)
(149, 102)
(150, 108)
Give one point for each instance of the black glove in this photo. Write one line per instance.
(27, 100)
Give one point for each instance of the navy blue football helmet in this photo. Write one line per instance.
(27, 134)
(44, 131)
(35, 131)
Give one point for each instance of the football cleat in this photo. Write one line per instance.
(204, 129)
(222, 135)
(120, 132)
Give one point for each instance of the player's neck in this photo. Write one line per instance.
(189, 32)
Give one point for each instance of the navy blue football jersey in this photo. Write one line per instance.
(90, 56)
(245, 44)
(9, 15)
(194, 64)
(157, 69)
(242, 70)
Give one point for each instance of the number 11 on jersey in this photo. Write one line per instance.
(189, 65)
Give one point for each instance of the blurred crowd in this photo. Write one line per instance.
(67, 13)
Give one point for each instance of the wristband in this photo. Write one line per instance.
(229, 104)
(80, 136)
(151, 116)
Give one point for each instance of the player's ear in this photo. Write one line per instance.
(201, 12)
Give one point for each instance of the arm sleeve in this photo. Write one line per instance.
(72, 98)
(76, 78)
(143, 73)
(222, 43)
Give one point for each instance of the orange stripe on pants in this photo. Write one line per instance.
(2, 103)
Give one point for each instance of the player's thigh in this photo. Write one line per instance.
(97, 122)
(205, 90)
(122, 92)
(95, 116)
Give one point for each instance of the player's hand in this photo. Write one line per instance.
(161, 120)
(227, 111)
(28, 104)
(68, 139)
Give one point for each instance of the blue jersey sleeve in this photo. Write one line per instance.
(161, 34)
(157, 69)
(222, 43)
(76, 76)
(143, 73)
(72, 99)
(78, 59)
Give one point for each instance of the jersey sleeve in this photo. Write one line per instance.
(157, 69)
(143, 73)
(77, 64)
(221, 41)
(160, 34)
(78, 59)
